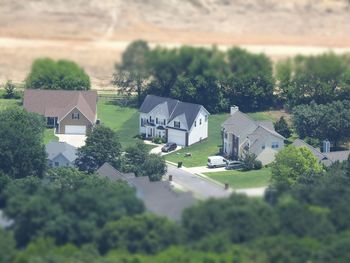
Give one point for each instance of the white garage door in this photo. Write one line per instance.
(75, 129)
(176, 136)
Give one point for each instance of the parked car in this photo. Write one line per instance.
(216, 161)
(233, 165)
(168, 147)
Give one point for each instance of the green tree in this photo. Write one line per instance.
(291, 163)
(282, 127)
(328, 121)
(139, 234)
(22, 152)
(7, 246)
(67, 205)
(154, 167)
(102, 145)
(62, 74)
(250, 162)
(134, 158)
(10, 90)
(131, 74)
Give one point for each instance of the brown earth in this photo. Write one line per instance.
(95, 32)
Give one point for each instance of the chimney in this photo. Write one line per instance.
(233, 109)
(326, 146)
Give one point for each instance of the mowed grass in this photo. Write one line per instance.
(200, 151)
(49, 136)
(123, 120)
(240, 179)
(7, 103)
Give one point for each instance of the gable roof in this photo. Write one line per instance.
(53, 149)
(158, 197)
(59, 103)
(300, 143)
(175, 108)
(338, 155)
(241, 125)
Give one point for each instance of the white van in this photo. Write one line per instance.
(216, 161)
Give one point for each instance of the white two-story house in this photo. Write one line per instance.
(179, 122)
(240, 133)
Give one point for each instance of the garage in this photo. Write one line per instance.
(177, 136)
(75, 129)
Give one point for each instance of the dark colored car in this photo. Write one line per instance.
(170, 146)
(233, 165)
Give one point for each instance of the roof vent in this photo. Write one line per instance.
(326, 146)
(233, 109)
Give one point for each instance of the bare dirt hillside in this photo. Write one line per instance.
(95, 32)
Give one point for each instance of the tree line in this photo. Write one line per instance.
(70, 216)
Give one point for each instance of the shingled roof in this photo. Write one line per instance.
(175, 108)
(158, 197)
(53, 149)
(58, 103)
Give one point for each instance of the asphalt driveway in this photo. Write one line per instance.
(77, 140)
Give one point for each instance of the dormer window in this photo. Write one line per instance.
(176, 124)
(75, 116)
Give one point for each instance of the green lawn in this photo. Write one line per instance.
(201, 151)
(240, 179)
(6, 103)
(123, 120)
(259, 116)
(49, 136)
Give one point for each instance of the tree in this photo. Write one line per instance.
(134, 158)
(10, 90)
(139, 234)
(62, 74)
(323, 121)
(22, 151)
(291, 163)
(250, 162)
(131, 74)
(67, 205)
(281, 126)
(347, 172)
(101, 145)
(7, 246)
(154, 167)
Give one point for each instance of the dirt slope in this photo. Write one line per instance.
(95, 32)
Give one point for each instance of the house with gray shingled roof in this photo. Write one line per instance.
(178, 122)
(158, 197)
(326, 158)
(60, 154)
(241, 134)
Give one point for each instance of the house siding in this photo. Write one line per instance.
(63, 162)
(69, 121)
(200, 132)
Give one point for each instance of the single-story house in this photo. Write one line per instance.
(158, 197)
(178, 122)
(240, 134)
(60, 154)
(69, 112)
(327, 157)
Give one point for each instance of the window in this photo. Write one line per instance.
(157, 120)
(57, 164)
(225, 135)
(274, 145)
(164, 122)
(200, 121)
(195, 123)
(263, 146)
(176, 124)
(75, 116)
(206, 118)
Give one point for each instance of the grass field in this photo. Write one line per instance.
(5, 103)
(240, 179)
(123, 120)
(49, 136)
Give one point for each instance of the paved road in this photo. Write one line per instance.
(198, 186)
